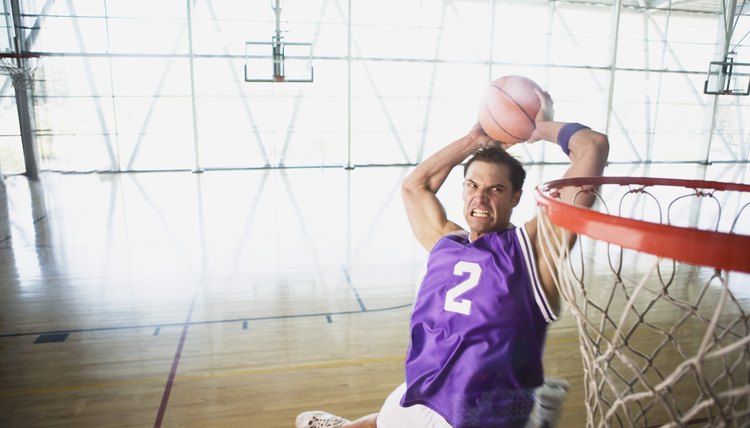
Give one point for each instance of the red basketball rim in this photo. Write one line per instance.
(699, 247)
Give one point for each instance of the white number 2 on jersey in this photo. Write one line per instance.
(462, 306)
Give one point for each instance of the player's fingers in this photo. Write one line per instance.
(546, 110)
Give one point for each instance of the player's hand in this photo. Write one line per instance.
(481, 139)
(546, 114)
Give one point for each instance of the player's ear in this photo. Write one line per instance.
(516, 197)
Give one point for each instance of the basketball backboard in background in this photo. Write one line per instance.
(727, 78)
(278, 61)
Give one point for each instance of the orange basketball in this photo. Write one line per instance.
(508, 109)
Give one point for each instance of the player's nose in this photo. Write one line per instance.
(483, 194)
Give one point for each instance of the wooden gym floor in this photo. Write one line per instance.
(223, 299)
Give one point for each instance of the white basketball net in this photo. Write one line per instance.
(663, 343)
(22, 76)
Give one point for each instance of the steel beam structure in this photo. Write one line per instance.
(24, 99)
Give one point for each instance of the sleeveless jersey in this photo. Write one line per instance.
(477, 331)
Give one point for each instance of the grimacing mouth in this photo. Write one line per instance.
(478, 212)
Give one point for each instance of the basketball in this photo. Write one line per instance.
(508, 109)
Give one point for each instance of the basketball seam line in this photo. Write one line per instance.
(500, 126)
(533, 123)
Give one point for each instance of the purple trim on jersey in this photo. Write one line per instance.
(477, 359)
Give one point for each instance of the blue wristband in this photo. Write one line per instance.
(567, 131)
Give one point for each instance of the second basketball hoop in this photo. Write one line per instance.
(278, 60)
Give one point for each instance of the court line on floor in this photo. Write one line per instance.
(186, 377)
(354, 289)
(175, 364)
(206, 322)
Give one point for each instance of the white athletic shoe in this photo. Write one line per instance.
(319, 419)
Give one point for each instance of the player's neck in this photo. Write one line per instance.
(474, 235)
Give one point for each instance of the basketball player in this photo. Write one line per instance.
(480, 317)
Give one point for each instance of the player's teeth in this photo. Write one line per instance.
(481, 213)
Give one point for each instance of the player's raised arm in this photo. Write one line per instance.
(425, 212)
(588, 151)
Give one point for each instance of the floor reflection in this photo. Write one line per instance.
(91, 246)
(276, 273)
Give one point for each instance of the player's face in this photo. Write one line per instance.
(489, 198)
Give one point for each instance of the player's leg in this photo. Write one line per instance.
(369, 421)
(392, 415)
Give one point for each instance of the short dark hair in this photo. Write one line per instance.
(499, 156)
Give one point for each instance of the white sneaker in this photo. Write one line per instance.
(319, 419)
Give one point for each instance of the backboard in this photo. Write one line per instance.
(727, 78)
(278, 61)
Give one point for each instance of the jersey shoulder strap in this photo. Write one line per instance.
(538, 291)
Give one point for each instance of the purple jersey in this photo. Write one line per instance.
(477, 331)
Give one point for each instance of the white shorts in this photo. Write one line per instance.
(392, 415)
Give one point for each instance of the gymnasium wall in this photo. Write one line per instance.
(137, 85)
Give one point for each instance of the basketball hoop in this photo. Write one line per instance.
(664, 337)
(727, 78)
(289, 61)
(20, 68)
